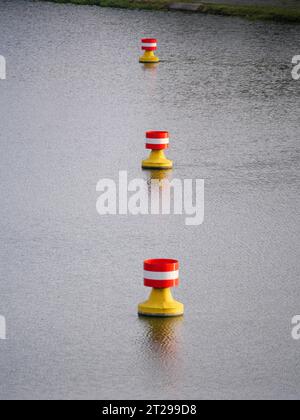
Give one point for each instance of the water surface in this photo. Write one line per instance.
(74, 109)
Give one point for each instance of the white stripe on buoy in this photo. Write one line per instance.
(146, 44)
(157, 141)
(164, 275)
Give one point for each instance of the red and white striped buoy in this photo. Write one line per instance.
(161, 273)
(149, 44)
(157, 140)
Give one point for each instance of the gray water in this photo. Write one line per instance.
(74, 109)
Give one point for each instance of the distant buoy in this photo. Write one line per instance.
(161, 275)
(149, 45)
(157, 142)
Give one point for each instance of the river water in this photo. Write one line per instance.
(74, 109)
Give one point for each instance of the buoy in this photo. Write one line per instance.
(149, 45)
(157, 142)
(161, 275)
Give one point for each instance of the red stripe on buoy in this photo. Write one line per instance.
(161, 265)
(157, 134)
(157, 146)
(149, 40)
(161, 284)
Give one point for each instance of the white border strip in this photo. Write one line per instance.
(165, 275)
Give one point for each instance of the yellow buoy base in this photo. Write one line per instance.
(161, 304)
(157, 160)
(149, 57)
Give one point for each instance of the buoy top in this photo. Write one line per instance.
(157, 134)
(161, 273)
(157, 140)
(161, 265)
(149, 40)
(149, 44)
